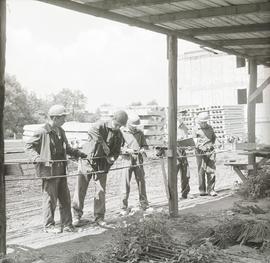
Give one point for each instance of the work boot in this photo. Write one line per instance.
(101, 222)
(69, 228)
(213, 193)
(123, 212)
(52, 230)
(80, 222)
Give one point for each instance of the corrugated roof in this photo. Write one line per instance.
(239, 27)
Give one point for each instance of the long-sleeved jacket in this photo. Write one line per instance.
(134, 139)
(42, 149)
(102, 132)
(206, 138)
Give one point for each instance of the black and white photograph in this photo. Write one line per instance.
(134, 131)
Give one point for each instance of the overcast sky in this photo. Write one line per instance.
(51, 48)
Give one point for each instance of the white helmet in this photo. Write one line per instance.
(57, 110)
(134, 119)
(203, 117)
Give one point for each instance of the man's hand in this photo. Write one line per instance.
(110, 160)
(129, 151)
(83, 155)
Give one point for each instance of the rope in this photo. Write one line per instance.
(78, 174)
(104, 157)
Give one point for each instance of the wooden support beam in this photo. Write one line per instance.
(251, 106)
(172, 126)
(2, 102)
(207, 12)
(86, 9)
(254, 51)
(226, 30)
(241, 42)
(118, 4)
(259, 90)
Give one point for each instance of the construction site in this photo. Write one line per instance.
(230, 82)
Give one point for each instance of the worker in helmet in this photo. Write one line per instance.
(48, 148)
(134, 151)
(205, 138)
(105, 141)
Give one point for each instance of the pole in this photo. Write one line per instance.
(2, 100)
(251, 106)
(172, 121)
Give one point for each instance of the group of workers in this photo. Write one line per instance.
(49, 145)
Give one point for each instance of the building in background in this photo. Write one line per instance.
(208, 78)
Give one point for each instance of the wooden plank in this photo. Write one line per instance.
(172, 126)
(86, 9)
(240, 174)
(207, 12)
(2, 102)
(251, 106)
(259, 90)
(226, 29)
(241, 42)
(118, 4)
(254, 51)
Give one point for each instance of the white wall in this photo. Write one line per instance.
(208, 79)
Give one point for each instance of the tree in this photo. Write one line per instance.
(152, 102)
(74, 102)
(137, 103)
(17, 112)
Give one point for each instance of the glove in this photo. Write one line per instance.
(83, 155)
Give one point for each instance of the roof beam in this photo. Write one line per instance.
(207, 12)
(254, 51)
(241, 42)
(226, 29)
(86, 9)
(118, 4)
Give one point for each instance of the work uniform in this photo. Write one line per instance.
(45, 146)
(206, 157)
(135, 140)
(99, 133)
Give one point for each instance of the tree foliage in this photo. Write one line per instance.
(17, 112)
(74, 102)
(22, 107)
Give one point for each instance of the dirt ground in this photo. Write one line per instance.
(27, 243)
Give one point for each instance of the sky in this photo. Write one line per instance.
(50, 48)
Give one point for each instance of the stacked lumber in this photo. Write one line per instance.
(227, 120)
(153, 120)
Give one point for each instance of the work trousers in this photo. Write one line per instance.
(206, 162)
(100, 191)
(140, 180)
(52, 190)
(183, 168)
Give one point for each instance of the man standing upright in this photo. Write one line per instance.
(48, 148)
(134, 148)
(205, 138)
(105, 141)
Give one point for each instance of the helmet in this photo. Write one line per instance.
(203, 117)
(121, 117)
(134, 120)
(57, 110)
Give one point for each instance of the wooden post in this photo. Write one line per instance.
(172, 123)
(2, 100)
(251, 106)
